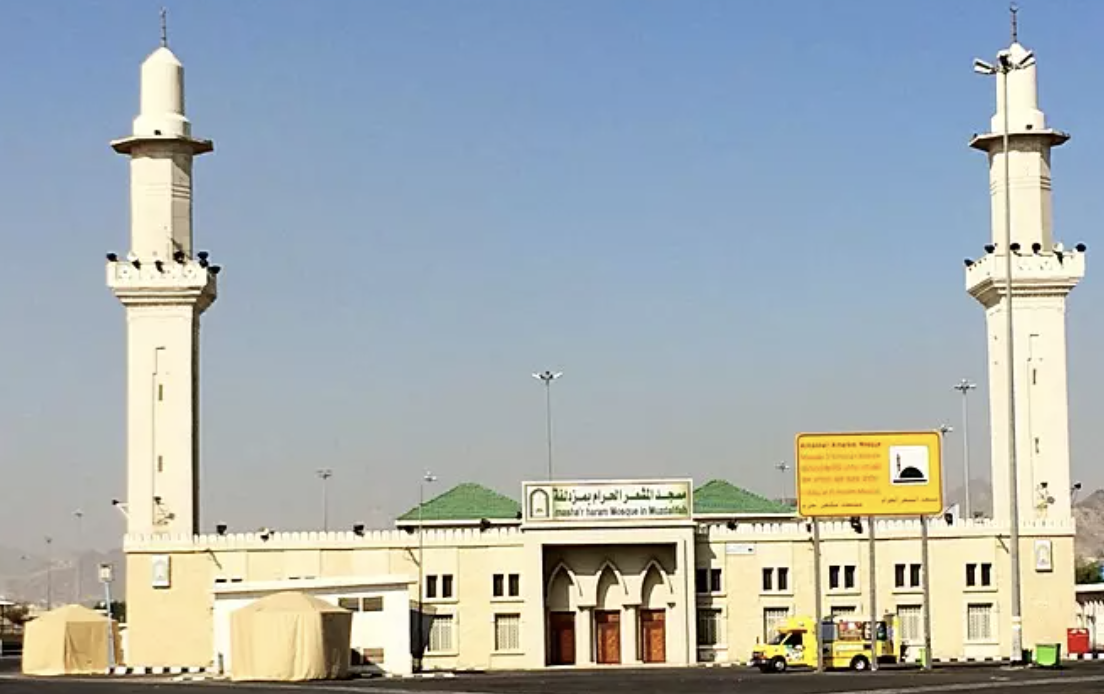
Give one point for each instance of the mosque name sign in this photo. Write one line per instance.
(566, 502)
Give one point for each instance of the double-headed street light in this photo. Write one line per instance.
(548, 377)
(1006, 64)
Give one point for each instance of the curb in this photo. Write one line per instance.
(124, 670)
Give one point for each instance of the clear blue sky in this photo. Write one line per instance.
(726, 222)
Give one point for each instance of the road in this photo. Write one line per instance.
(1075, 679)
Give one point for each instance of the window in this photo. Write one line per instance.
(911, 619)
(440, 634)
(842, 577)
(907, 576)
(979, 622)
(707, 580)
(772, 616)
(505, 585)
(507, 632)
(709, 626)
(351, 604)
(439, 586)
(776, 579)
(373, 604)
(979, 575)
(843, 610)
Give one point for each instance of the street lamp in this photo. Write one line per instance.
(49, 573)
(964, 386)
(1006, 64)
(78, 564)
(548, 377)
(325, 474)
(427, 478)
(783, 467)
(107, 575)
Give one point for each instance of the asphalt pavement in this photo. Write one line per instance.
(1081, 678)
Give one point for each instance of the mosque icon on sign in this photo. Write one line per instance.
(908, 465)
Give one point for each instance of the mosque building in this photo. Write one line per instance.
(587, 572)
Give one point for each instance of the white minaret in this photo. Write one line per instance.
(1043, 274)
(165, 288)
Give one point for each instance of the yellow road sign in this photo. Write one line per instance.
(869, 474)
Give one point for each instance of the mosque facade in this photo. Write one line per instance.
(586, 572)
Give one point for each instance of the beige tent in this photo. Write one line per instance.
(289, 636)
(71, 640)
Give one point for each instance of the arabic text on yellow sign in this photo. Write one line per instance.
(869, 474)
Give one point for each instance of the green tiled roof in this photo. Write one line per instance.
(718, 496)
(466, 502)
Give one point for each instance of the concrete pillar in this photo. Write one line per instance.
(584, 642)
(630, 629)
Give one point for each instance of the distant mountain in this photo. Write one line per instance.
(981, 498)
(26, 577)
(1089, 513)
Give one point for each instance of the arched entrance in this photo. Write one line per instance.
(561, 598)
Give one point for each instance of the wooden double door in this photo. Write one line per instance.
(561, 638)
(607, 633)
(653, 636)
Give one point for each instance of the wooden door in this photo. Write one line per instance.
(608, 627)
(561, 631)
(653, 635)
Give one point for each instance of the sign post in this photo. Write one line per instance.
(818, 612)
(107, 575)
(873, 599)
(871, 474)
(927, 664)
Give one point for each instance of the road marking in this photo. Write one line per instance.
(962, 686)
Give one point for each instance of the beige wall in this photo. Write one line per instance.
(172, 626)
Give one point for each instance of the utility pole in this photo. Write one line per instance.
(548, 377)
(325, 474)
(964, 386)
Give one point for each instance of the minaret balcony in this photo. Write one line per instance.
(163, 283)
(1044, 274)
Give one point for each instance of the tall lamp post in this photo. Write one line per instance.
(427, 478)
(548, 377)
(107, 575)
(325, 474)
(49, 573)
(1005, 64)
(964, 386)
(79, 562)
(783, 467)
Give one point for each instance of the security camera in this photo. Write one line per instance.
(157, 500)
(1077, 486)
(1043, 485)
(114, 502)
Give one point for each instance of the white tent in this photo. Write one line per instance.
(290, 636)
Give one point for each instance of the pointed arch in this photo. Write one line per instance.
(571, 577)
(617, 589)
(664, 580)
(608, 565)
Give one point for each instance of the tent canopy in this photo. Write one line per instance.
(71, 640)
(290, 636)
